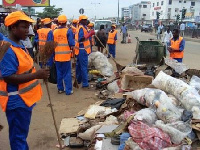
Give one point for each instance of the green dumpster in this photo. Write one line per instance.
(150, 52)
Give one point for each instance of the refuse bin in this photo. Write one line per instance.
(150, 52)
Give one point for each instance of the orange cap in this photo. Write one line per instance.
(91, 25)
(62, 19)
(75, 21)
(13, 17)
(113, 26)
(82, 17)
(46, 21)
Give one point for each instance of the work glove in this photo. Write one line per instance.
(91, 33)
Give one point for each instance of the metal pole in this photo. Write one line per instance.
(118, 13)
(29, 11)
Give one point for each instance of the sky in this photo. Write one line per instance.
(103, 8)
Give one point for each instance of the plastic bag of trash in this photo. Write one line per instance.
(187, 95)
(101, 63)
(146, 115)
(176, 130)
(195, 83)
(160, 102)
(132, 71)
(174, 64)
(113, 87)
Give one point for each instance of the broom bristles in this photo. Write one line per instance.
(4, 46)
(47, 51)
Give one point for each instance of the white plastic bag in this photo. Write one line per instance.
(195, 83)
(113, 87)
(101, 63)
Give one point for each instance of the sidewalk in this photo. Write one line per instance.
(186, 38)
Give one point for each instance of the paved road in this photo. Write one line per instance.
(42, 135)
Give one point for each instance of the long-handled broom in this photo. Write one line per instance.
(45, 55)
(4, 46)
(118, 66)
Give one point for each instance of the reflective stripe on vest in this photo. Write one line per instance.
(86, 43)
(42, 35)
(62, 50)
(176, 45)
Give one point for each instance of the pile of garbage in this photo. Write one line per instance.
(140, 109)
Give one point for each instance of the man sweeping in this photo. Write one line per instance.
(64, 37)
(82, 50)
(44, 35)
(112, 38)
(19, 85)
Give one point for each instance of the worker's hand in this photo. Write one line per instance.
(42, 74)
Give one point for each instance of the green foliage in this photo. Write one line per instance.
(183, 13)
(177, 18)
(50, 12)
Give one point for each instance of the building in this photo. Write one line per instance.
(169, 9)
(140, 12)
(125, 13)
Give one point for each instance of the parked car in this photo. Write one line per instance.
(146, 28)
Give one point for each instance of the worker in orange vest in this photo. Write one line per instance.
(64, 37)
(176, 46)
(91, 27)
(19, 84)
(74, 26)
(112, 38)
(43, 35)
(82, 50)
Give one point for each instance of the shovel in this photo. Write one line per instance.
(74, 66)
(118, 66)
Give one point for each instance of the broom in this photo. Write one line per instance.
(45, 55)
(75, 79)
(4, 46)
(118, 66)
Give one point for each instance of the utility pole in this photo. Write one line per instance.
(118, 13)
(95, 5)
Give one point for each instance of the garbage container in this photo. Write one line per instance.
(150, 52)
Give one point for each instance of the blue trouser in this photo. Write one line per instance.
(82, 68)
(64, 73)
(179, 59)
(18, 121)
(112, 50)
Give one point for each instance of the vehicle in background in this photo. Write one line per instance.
(97, 24)
(146, 28)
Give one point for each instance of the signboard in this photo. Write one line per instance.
(81, 11)
(27, 3)
(157, 8)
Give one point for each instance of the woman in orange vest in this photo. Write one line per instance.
(112, 38)
(82, 50)
(19, 85)
(91, 27)
(176, 46)
(64, 37)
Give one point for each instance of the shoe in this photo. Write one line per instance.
(70, 93)
(60, 92)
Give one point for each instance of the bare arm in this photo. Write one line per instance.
(23, 78)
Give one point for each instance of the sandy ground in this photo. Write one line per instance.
(42, 134)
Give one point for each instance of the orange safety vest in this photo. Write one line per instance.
(42, 34)
(31, 91)
(176, 45)
(62, 50)
(111, 37)
(86, 43)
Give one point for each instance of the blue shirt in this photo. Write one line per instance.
(81, 36)
(182, 44)
(124, 29)
(1, 36)
(9, 66)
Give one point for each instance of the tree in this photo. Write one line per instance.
(50, 12)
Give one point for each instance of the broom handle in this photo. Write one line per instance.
(52, 112)
(105, 49)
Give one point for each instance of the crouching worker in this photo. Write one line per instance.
(19, 85)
